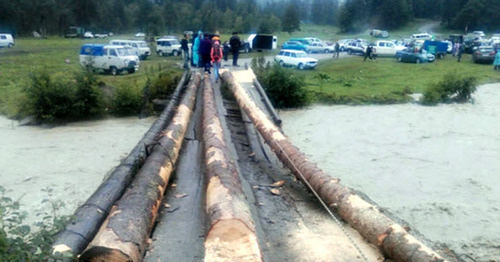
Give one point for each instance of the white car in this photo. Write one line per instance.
(88, 35)
(6, 40)
(110, 58)
(140, 47)
(319, 48)
(140, 35)
(295, 58)
(168, 47)
(386, 48)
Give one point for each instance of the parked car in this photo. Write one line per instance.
(294, 45)
(168, 47)
(301, 40)
(6, 40)
(101, 35)
(140, 35)
(319, 48)
(479, 34)
(379, 33)
(343, 44)
(295, 58)
(437, 48)
(110, 58)
(356, 47)
(262, 42)
(313, 40)
(421, 36)
(409, 56)
(484, 54)
(88, 34)
(140, 47)
(386, 48)
(74, 32)
(495, 38)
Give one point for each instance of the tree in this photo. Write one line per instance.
(394, 13)
(291, 20)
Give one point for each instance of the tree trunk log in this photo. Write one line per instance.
(231, 236)
(89, 217)
(124, 234)
(376, 227)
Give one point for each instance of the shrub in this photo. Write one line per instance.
(18, 242)
(452, 88)
(284, 89)
(127, 100)
(88, 98)
(164, 85)
(49, 100)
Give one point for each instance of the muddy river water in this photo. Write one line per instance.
(437, 168)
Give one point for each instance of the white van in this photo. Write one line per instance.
(110, 58)
(140, 47)
(421, 36)
(6, 40)
(166, 46)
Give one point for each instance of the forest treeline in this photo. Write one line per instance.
(166, 16)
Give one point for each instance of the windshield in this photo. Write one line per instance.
(142, 44)
(174, 42)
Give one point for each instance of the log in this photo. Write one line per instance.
(231, 236)
(269, 105)
(125, 232)
(89, 217)
(395, 242)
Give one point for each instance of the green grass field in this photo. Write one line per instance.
(351, 79)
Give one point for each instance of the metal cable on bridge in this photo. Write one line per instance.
(323, 204)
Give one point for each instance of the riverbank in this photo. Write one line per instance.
(431, 166)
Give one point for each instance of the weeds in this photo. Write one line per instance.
(452, 88)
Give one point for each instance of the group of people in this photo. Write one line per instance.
(208, 53)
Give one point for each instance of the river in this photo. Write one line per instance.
(437, 168)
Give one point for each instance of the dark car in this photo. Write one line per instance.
(414, 57)
(356, 47)
(294, 45)
(484, 54)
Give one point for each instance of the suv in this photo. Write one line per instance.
(140, 47)
(295, 58)
(356, 47)
(110, 58)
(168, 46)
(6, 40)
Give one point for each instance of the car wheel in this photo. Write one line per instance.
(342, 49)
(10, 45)
(440, 56)
(349, 52)
(247, 49)
(400, 59)
(160, 53)
(418, 61)
(282, 64)
(113, 70)
(300, 66)
(131, 70)
(327, 51)
(175, 53)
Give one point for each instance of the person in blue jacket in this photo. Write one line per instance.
(196, 49)
(496, 63)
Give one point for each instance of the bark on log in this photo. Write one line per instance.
(231, 236)
(124, 234)
(269, 106)
(89, 217)
(377, 228)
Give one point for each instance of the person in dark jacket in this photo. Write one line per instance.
(205, 48)
(368, 53)
(226, 50)
(185, 48)
(235, 44)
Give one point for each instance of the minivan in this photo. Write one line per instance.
(140, 47)
(111, 59)
(6, 40)
(168, 47)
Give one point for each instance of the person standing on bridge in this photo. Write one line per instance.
(205, 48)
(216, 55)
(185, 49)
(196, 49)
(235, 43)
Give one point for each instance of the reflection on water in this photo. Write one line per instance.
(436, 168)
(71, 160)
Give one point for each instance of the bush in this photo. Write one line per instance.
(283, 88)
(452, 88)
(164, 85)
(127, 100)
(49, 100)
(18, 242)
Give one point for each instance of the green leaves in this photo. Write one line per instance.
(452, 88)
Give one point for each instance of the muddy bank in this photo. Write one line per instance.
(434, 167)
(71, 160)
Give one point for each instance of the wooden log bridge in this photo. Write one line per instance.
(376, 227)
(207, 183)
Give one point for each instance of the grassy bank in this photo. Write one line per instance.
(385, 80)
(31, 56)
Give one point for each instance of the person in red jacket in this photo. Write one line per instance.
(216, 55)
